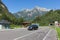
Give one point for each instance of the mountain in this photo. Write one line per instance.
(30, 14)
(4, 12)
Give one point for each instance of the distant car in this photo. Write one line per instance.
(33, 27)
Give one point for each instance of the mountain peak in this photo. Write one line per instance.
(36, 8)
(26, 10)
(41, 8)
(30, 14)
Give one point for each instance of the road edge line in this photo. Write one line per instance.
(47, 34)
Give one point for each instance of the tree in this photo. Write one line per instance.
(37, 19)
(50, 16)
(19, 21)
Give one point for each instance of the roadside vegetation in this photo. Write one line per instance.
(57, 30)
(15, 26)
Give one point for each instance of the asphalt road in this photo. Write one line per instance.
(23, 34)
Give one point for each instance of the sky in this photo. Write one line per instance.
(17, 5)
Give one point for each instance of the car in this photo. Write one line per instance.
(33, 27)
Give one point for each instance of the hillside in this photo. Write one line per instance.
(4, 13)
(49, 17)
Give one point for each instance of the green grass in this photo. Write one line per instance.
(58, 32)
(15, 26)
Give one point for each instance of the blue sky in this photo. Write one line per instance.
(16, 5)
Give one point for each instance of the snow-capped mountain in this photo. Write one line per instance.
(31, 13)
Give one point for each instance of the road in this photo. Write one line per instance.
(43, 33)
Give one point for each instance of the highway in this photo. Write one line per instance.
(43, 33)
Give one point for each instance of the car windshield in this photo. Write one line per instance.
(33, 25)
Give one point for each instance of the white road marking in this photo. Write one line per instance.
(47, 35)
(26, 35)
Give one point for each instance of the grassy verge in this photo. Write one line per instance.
(15, 26)
(58, 31)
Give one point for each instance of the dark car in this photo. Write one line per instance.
(33, 27)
